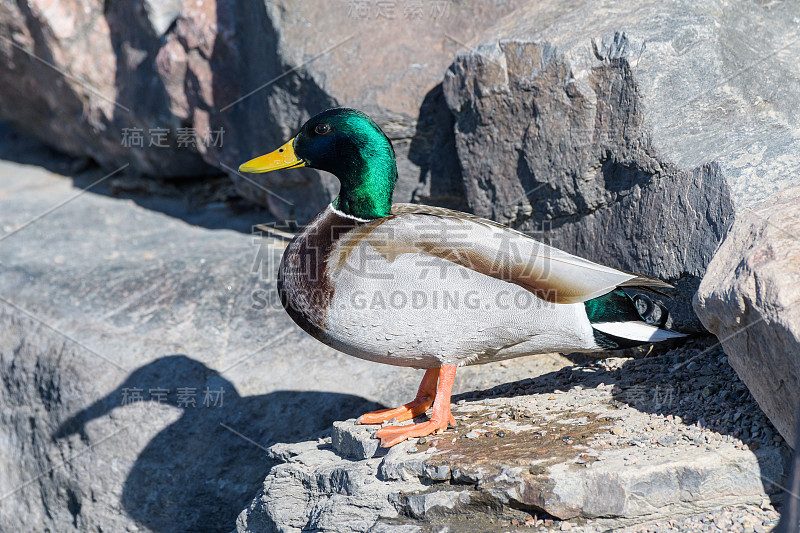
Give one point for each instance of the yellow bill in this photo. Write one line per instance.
(283, 157)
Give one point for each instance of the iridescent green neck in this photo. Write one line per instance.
(368, 174)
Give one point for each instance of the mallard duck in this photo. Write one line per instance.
(432, 288)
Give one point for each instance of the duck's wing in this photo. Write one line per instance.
(491, 249)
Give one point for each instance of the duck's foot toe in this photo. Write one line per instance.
(391, 435)
(412, 409)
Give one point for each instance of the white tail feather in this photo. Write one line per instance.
(637, 331)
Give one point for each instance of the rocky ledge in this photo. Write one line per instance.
(604, 444)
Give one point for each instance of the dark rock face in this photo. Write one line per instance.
(84, 79)
(161, 87)
(612, 123)
(790, 514)
(188, 89)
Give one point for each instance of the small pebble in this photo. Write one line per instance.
(667, 440)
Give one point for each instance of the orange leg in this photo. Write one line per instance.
(440, 416)
(414, 408)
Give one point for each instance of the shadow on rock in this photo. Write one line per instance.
(790, 513)
(433, 150)
(200, 471)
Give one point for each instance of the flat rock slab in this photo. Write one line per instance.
(596, 443)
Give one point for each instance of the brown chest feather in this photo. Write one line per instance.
(303, 282)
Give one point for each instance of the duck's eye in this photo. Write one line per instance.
(322, 129)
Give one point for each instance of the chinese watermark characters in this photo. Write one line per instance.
(184, 397)
(396, 10)
(165, 138)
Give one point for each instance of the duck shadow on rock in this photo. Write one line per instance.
(692, 381)
(198, 473)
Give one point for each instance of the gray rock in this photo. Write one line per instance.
(381, 527)
(403, 463)
(353, 440)
(631, 133)
(439, 502)
(669, 482)
(308, 493)
(436, 472)
(750, 299)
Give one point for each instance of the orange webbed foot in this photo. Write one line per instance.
(440, 416)
(391, 435)
(405, 412)
(414, 408)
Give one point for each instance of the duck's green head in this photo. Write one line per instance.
(348, 144)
